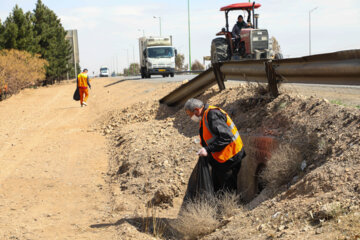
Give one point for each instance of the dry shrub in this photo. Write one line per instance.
(152, 224)
(227, 204)
(258, 88)
(20, 69)
(197, 66)
(204, 215)
(283, 165)
(197, 218)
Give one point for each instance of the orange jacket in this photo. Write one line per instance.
(82, 80)
(232, 148)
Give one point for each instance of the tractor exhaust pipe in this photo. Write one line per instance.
(256, 23)
(253, 14)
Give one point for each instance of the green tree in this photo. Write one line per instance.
(133, 69)
(18, 32)
(1, 36)
(54, 48)
(179, 61)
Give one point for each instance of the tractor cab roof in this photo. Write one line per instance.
(240, 6)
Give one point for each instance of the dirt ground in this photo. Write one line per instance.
(53, 167)
(88, 173)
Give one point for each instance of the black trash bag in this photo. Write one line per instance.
(76, 96)
(200, 183)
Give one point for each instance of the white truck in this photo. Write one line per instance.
(104, 71)
(157, 56)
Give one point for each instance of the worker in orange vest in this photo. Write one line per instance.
(83, 82)
(221, 143)
(3, 92)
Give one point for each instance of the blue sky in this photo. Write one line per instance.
(109, 29)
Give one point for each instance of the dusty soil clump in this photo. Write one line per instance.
(317, 196)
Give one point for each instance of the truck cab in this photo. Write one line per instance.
(157, 56)
(104, 71)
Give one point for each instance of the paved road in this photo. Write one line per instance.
(176, 78)
(339, 94)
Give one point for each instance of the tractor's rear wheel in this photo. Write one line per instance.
(219, 50)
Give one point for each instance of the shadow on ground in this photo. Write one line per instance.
(158, 227)
(122, 80)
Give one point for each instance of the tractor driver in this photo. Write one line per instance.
(237, 29)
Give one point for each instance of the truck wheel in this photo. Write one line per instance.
(219, 50)
(171, 74)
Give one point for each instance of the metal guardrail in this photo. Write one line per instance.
(340, 68)
(189, 72)
(202, 82)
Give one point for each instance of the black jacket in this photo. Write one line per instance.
(237, 28)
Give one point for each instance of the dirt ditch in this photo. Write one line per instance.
(309, 189)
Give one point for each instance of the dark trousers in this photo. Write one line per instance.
(237, 44)
(225, 174)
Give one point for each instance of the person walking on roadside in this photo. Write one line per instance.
(221, 143)
(83, 82)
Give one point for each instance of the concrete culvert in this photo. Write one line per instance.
(259, 151)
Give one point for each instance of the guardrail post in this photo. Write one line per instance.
(272, 78)
(219, 76)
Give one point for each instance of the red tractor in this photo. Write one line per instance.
(253, 44)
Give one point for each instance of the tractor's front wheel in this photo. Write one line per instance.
(278, 56)
(219, 50)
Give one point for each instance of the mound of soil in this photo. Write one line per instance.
(152, 151)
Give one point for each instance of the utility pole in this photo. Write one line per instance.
(159, 23)
(189, 35)
(127, 53)
(133, 60)
(74, 55)
(310, 28)
(117, 65)
(133, 53)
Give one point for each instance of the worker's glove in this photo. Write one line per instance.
(202, 152)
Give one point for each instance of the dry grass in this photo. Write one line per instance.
(258, 88)
(152, 224)
(197, 218)
(283, 165)
(227, 204)
(203, 216)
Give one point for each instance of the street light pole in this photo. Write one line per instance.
(189, 35)
(310, 28)
(75, 68)
(117, 65)
(159, 23)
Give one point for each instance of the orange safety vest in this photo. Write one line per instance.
(82, 80)
(232, 148)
